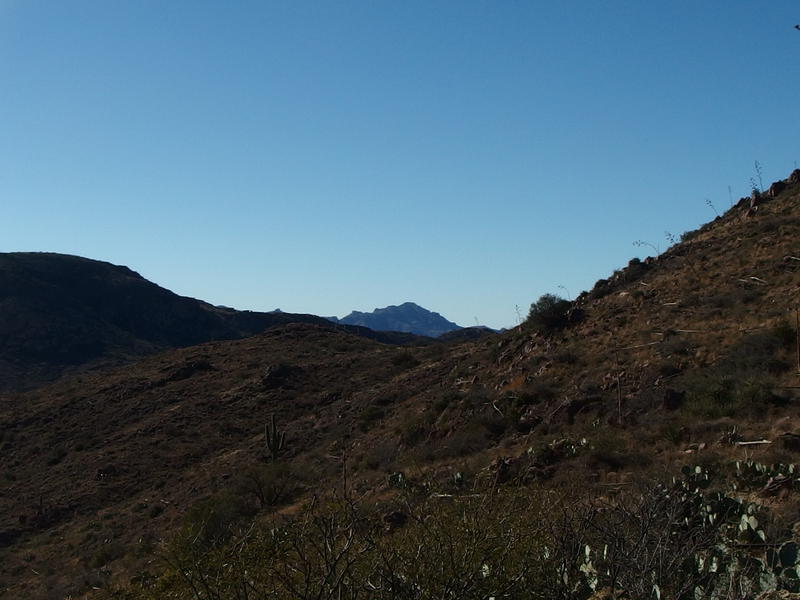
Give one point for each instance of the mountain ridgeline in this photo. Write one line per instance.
(60, 312)
(407, 317)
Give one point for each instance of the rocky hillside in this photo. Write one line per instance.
(407, 317)
(59, 313)
(673, 359)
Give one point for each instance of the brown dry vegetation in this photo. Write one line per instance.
(674, 359)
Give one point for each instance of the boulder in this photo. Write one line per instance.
(776, 188)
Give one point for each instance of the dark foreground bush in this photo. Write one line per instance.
(676, 540)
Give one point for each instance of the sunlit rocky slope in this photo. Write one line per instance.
(671, 359)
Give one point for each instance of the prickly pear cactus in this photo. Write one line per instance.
(785, 562)
(739, 556)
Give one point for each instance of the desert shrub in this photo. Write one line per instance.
(476, 398)
(714, 393)
(757, 392)
(635, 270)
(742, 383)
(760, 352)
(710, 395)
(673, 432)
(369, 416)
(269, 485)
(668, 368)
(387, 398)
(549, 313)
(441, 403)
(404, 360)
(212, 521)
(735, 301)
(380, 455)
(674, 344)
(466, 439)
(680, 539)
(566, 357)
(85, 441)
(601, 288)
(537, 392)
(478, 547)
(608, 449)
(784, 333)
(106, 554)
(473, 547)
(56, 455)
(494, 423)
(415, 430)
(665, 541)
(687, 236)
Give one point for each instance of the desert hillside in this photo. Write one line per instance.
(671, 360)
(66, 314)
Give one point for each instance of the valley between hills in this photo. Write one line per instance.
(612, 446)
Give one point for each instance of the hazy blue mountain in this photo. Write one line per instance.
(407, 317)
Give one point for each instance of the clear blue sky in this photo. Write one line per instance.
(328, 156)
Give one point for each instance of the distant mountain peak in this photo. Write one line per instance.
(408, 317)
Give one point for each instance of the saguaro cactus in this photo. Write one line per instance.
(274, 442)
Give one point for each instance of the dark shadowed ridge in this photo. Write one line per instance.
(60, 312)
(466, 334)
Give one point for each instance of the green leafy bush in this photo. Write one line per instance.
(549, 313)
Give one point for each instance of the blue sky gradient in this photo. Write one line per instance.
(329, 156)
